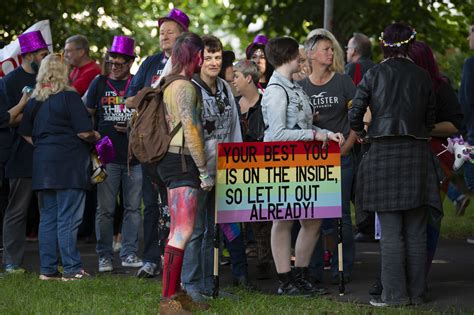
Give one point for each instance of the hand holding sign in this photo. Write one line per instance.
(336, 137)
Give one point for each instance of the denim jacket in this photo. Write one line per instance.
(287, 111)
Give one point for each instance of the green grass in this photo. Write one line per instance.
(25, 294)
(455, 227)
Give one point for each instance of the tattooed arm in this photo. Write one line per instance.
(185, 99)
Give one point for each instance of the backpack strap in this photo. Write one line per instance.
(165, 82)
(287, 97)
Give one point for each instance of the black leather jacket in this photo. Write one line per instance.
(400, 97)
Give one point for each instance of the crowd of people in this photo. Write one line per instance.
(389, 120)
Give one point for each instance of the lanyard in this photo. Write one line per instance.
(117, 92)
(126, 86)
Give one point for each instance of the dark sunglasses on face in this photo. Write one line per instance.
(118, 65)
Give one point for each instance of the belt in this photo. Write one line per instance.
(179, 150)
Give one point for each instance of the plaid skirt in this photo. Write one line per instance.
(398, 173)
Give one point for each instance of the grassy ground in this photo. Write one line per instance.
(455, 227)
(112, 294)
(117, 295)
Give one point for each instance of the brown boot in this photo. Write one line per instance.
(188, 303)
(172, 307)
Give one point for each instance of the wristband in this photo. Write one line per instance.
(203, 177)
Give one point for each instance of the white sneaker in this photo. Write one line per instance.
(470, 240)
(132, 260)
(148, 270)
(377, 302)
(105, 264)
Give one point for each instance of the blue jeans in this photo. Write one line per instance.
(316, 264)
(238, 257)
(198, 263)
(61, 215)
(453, 193)
(106, 197)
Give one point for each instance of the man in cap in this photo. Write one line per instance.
(106, 102)
(18, 168)
(149, 73)
(85, 69)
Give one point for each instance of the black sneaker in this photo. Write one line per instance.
(376, 288)
(81, 275)
(303, 282)
(288, 285)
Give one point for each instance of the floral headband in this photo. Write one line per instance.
(398, 44)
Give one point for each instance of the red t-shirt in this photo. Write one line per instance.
(80, 78)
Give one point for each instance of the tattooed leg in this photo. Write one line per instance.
(182, 203)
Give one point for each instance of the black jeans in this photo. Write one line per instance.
(4, 189)
(151, 213)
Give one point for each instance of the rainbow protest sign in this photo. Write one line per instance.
(268, 181)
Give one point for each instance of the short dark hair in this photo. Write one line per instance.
(127, 58)
(281, 50)
(212, 43)
(397, 33)
(362, 45)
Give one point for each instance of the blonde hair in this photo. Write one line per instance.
(338, 60)
(52, 78)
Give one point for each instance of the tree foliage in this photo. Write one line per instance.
(442, 24)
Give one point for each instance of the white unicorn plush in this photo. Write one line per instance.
(462, 151)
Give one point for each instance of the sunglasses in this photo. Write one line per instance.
(316, 38)
(221, 104)
(118, 65)
(60, 55)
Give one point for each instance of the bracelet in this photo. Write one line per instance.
(203, 177)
